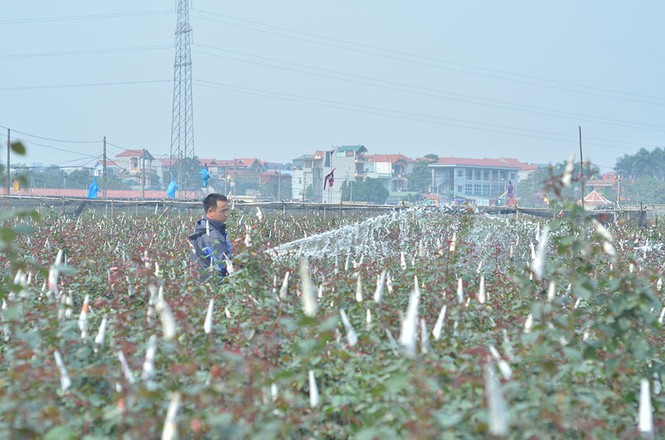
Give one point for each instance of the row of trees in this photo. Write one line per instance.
(644, 164)
(640, 179)
(643, 174)
(55, 177)
(371, 190)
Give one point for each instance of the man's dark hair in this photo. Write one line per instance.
(211, 200)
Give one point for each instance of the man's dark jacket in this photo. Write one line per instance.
(210, 249)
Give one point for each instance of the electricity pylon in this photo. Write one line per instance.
(182, 164)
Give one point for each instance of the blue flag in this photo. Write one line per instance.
(170, 191)
(93, 189)
(205, 175)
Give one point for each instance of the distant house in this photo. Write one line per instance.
(137, 163)
(162, 167)
(111, 168)
(349, 164)
(392, 170)
(214, 167)
(526, 171)
(309, 171)
(253, 164)
(481, 180)
(133, 160)
(303, 175)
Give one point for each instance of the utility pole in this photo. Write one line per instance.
(104, 171)
(9, 147)
(143, 176)
(581, 165)
(279, 185)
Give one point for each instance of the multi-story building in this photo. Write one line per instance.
(310, 170)
(307, 176)
(111, 168)
(348, 161)
(483, 180)
(133, 160)
(138, 164)
(391, 170)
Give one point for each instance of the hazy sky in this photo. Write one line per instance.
(278, 79)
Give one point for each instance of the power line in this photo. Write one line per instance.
(48, 138)
(118, 147)
(51, 147)
(512, 31)
(447, 65)
(419, 117)
(83, 17)
(424, 91)
(64, 164)
(85, 162)
(85, 52)
(69, 86)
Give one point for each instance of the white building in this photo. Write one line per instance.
(484, 181)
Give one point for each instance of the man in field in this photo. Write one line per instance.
(511, 194)
(211, 249)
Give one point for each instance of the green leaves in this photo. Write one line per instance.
(248, 377)
(18, 148)
(61, 433)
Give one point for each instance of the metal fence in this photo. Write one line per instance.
(75, 206)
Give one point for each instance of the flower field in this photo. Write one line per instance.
(412, 324)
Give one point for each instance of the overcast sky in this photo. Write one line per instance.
(278, 79)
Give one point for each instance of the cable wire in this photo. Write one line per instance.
(420, 117)
(83, 17)
(429, 92)
(68, 86)
(430, 61)
(118, 147)
(85, 52)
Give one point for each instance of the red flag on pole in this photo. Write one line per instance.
(329, 179)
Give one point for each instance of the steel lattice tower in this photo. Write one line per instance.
(183, 167)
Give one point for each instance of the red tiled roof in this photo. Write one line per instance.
(594, 198)
(392, 158)
(498, 163)
(109, 163)
(230, 163)
(249, 161)
(131, 153)
(210, 162)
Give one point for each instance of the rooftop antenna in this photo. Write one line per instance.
(182, 126)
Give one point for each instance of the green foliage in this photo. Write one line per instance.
(643, 175)
(186, 173)
(14, 225)
(277, 190)
(644, 190)
(532, 189)
(420, 178)
(54, 177)
(643, 164)
(575, 372)
(371, 190)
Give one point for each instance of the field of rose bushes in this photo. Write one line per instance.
(411, 324)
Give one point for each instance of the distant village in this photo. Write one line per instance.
(344, 173)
